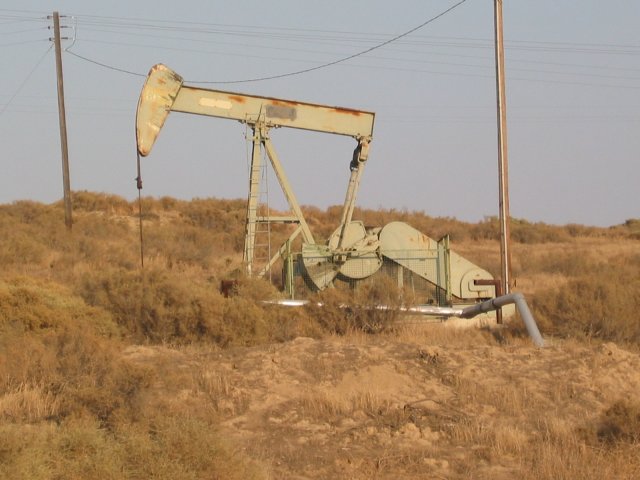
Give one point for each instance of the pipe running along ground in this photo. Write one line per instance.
(468, 312)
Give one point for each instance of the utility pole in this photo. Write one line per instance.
(503, 163)
(66, 184)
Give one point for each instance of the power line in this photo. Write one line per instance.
(400, 69)
(310, 35)
(488, 59)
(104, 65)
(488, 65)
(25, 80)
(24, 42)
(306, 70)
(123, 22)
(35, 29)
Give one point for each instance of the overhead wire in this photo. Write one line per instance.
(353, 37)
(110, 67)
(307, 51)
(306, 70)
(483, 43)
(262, 32)
(121, 24)
(24, 82)
(23, 42)
(36, 29)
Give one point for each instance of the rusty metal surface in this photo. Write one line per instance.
(157, 97)
(275, 112)
(164, 91)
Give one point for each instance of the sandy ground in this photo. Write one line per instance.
(372, 407)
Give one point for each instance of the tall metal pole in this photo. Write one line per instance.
(503, 164)
(66, 184)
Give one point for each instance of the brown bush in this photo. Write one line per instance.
(620, 423)
(100, 202)
(372, 307)
(603, 304)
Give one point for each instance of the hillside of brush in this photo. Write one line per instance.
(108, 370)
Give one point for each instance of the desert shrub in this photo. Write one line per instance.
(632, 228)
(93, 379)
(566, 456)
(36, 306)
(68, 374)
(155, 305)
(620, 423)
(100, 202)
(372, 307)
(328, 309)
(20, 248)
(576, 231)
(488, 229)
(523, 231)
(59, 357)
(603, 304)
(629, 229)
(216, 214)
(71, 406)
(170, 448)
(249, 318)
(31, 213)
(162, 306)
(243, 323)
(568, 262)
(182, 244)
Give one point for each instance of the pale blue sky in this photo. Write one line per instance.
(573, 99)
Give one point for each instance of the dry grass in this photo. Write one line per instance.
(73, 405)
(29, 404)
(79, 449)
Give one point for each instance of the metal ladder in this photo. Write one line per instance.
(262, 245)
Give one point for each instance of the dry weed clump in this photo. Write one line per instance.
(59, 357)
(371, 308)
(167, 449)
(368, 407)
(603, 304)
(100, 202)
(155, 305)
(35, 306)
(618, 424)
(606, 447)
(543, 445)
(162, 306)
(71, 406)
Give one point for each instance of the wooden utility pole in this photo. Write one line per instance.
(66, 184)
(503, 164)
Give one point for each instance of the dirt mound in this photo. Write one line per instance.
(381, 408)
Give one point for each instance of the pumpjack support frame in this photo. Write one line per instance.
(354, 251)
(164, 91)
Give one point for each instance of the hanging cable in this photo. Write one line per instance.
(298, 72)
(104, 65)
(143, 281)
(139, 185)
(12, 98)
(344, 59)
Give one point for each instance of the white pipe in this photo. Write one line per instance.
(469, 312)
(523, 308)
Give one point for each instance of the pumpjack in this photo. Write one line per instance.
(354, 252)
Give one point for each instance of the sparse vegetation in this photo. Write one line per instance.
(79, 399)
